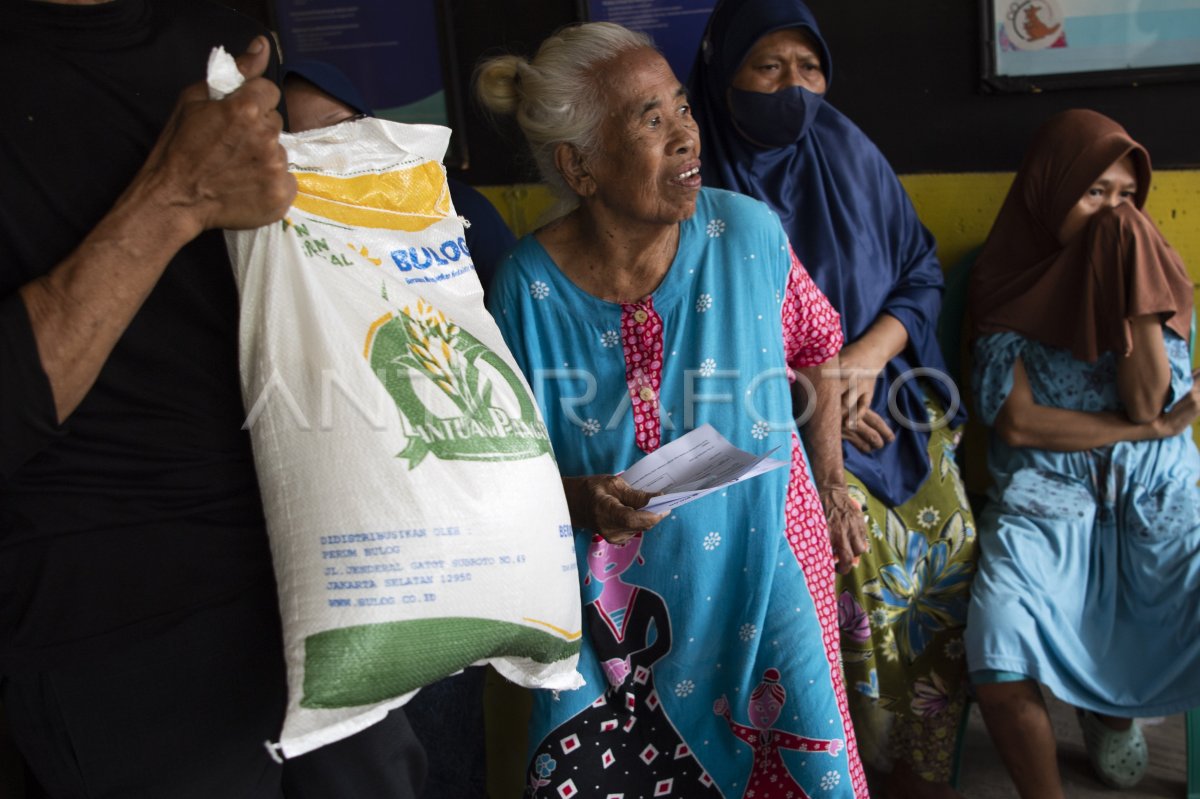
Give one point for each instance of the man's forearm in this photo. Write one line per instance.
(217, 164)
(81, 307)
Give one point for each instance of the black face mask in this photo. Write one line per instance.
(776, 119)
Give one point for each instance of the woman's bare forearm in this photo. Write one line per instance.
(822, 432)
(884, 339)
(1144, 375)
(823, 442)
(1022, 422)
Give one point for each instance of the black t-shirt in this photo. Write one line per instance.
(144, 504)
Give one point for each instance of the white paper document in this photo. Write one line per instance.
(693, 465)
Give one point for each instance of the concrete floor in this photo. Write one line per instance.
(984, 777)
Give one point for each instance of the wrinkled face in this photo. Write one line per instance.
(1118, 185)
(780, 60)
(764, 711)
(607, 560)
(647, 165)
(308, 107)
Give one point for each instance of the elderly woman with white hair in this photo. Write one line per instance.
(649, 308)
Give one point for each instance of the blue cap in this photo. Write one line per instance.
(329, 79)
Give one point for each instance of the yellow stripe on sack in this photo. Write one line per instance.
(567, 634)
(406, 199)
(378, 323)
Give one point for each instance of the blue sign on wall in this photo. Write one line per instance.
(389, 50)
(675, 25)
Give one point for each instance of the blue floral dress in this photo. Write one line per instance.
(724, 590)
(1089, 579)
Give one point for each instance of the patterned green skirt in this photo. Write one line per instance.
(902, 612)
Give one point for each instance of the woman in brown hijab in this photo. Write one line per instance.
(1089, 574)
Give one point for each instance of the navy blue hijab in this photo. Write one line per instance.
(848, 219)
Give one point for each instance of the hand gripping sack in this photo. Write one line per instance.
(415, 512)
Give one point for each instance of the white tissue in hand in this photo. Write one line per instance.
(223, 75)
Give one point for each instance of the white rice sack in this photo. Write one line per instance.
(415, 511)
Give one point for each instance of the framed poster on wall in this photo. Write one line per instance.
(1030, 45)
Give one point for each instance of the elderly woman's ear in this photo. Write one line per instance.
(573, 167)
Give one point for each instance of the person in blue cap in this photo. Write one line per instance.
(446, 716)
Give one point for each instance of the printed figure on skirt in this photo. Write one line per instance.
(630, 629)
(770, 776)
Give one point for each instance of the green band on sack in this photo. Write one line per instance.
(371, 663)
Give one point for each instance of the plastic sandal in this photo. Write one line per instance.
(1118, 758)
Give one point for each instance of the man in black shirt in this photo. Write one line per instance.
(140, 648)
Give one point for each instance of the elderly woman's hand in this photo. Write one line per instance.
(859, 366)
(606, 504)
(867, 432)
(847, 529)
(862, 427)
(858, 370)
(1182, 415)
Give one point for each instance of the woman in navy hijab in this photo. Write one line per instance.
(758, 91)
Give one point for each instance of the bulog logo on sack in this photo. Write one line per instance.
(423, 348)
(424, 257)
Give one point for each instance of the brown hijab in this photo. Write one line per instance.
(1080, 296)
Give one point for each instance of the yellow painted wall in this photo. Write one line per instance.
(957, 208)
(521, 205)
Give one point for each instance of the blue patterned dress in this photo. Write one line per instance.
(1089, 580)
(727, 587)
